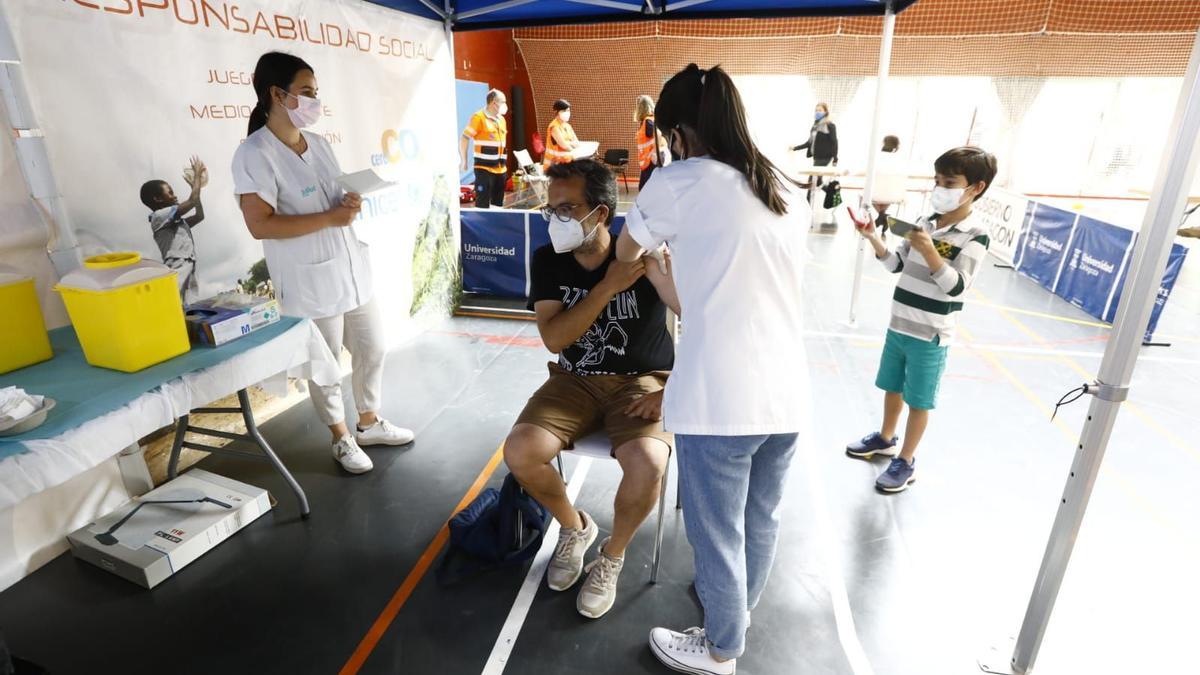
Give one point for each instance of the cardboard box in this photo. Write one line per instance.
(262, 311)
(215, 327)
(160, 533)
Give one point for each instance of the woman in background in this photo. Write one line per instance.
(560, 137)
(822, 143)
(650, 143)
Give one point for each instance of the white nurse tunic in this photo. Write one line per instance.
(320, 274)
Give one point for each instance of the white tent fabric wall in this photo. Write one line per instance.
(114, 118)
(23, 236)
(126, 98)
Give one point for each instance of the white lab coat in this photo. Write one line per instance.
(321, 274)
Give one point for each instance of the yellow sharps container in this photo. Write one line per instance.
(126, 311)
(22, 327)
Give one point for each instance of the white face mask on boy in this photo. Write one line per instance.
(945, 200)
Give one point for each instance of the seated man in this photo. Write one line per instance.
(606, 321)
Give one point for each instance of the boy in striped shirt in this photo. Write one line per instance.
(936, 264)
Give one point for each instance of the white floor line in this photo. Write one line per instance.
(1033, 351)
(829, 545)
(516, 616)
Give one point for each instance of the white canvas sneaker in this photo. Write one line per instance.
(567, 564)
(350, 456)
(687, 652)
(383, 432)
(599, 592)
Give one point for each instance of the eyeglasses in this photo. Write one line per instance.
(563, 212)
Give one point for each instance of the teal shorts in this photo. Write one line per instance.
(912, 367)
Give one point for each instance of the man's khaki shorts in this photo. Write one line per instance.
(574, 406)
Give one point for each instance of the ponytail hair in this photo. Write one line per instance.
(709, 103)
(274, 69)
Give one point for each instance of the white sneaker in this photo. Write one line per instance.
(687, 652)
(350, 456)
(384, 432)
(599, 592)
(567, 564)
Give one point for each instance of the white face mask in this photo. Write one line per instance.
(569, 236)
(503, 110)
(306, 113)
(945, 200)
(565, 115)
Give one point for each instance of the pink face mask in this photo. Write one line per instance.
(306, 113)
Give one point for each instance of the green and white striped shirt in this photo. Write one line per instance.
(926, 305)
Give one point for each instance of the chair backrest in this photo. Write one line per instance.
(536, 144)
(523, 158)
(616, 156)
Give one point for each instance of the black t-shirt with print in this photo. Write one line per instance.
(628, 338)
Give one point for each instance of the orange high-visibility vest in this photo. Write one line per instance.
(647, 143)
(491, 137)
(555, 153)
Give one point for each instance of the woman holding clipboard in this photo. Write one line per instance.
(284, 179)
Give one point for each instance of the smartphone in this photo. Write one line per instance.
(861, 218)
(901, 228)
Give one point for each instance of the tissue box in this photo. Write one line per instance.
(262, 311)
(160, 533)
(215, 327)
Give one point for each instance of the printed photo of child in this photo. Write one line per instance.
(172, 226)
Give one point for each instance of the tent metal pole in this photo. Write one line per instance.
(610, 4)
(433, 8)
(885, 63)
(684, 4)
(1175, 174)
(33, 156)
(492, 8)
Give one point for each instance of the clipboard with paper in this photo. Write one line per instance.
(364, 182)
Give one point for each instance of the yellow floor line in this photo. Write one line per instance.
(1072, 436)
(1171, 437)
(1040, 315)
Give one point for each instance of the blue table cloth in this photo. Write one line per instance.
(84, 392)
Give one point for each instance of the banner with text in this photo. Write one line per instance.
(1005, 214)
(498, 247)
(129, 91)
(1086, 261)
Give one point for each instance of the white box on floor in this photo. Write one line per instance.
(169, 527)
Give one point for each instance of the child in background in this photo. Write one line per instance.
(172, 227)
(937, 263)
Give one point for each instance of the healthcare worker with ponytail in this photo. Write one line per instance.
(284, 178)
(738, 398)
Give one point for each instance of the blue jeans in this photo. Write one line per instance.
(731, 488)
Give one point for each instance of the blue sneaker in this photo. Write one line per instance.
(871, 445)
(898, 476)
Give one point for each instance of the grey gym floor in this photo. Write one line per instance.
(921, 582)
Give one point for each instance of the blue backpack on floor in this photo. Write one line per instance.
(486, 533)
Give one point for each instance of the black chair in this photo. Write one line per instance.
(617, 159)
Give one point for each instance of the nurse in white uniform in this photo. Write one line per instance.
(284, 179)
(738, 397)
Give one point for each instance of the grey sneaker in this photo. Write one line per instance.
(599, 592)
(873, 444)
(898, 476)
(567, 564)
